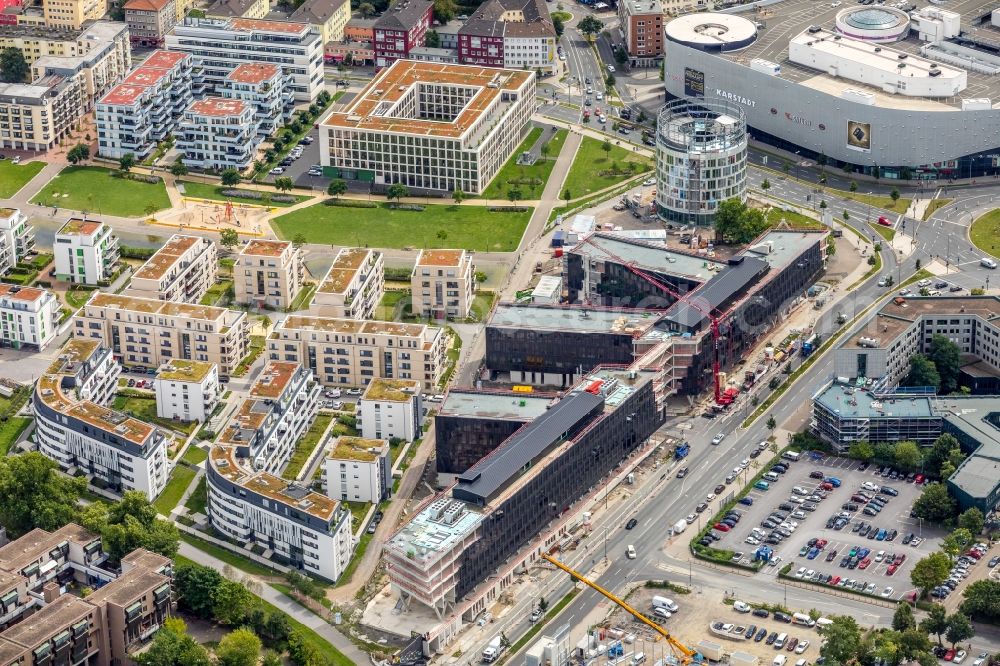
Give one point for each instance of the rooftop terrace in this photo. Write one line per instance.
(357, 448)
(183, 370)
(77, 226)
(346, 265)
(391, 390)
(265, 248)
(167, 257)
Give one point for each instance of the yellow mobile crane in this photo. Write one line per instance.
(684, 654)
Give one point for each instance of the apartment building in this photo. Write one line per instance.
(76, 429)
(328, 17)
(17, 238)
(186, 390)
(248, 9)
(266, 88)
(37, 116)
(217, 134)
(354, 285)
(391, 409)
(400, 29)
(181, 271)
(146, 333)
(150, 20)
(358, 470)
(268, 273)
(29, 317)
(430, 126)
(72, 14)
(220, 45)
(641, 25)
(516, 34)
(46, 626)
(348, 352)
(281, 405)
(144, 108)
(443, 284)
(86, 251)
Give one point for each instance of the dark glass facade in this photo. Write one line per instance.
(462, 441)
(558, 352)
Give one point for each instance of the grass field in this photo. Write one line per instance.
(304, 447)
(195, 455)
(256, 349)
(10, 430)
(144, 409)
(984, 232)
(540, 170)
(585, 177)
(386, 310)
(884, 232)
(216, 292)
(933, 207)
(198, 499)
(437, 226)
(244, 564)
(305, 296)
(171, 495)
(793, 219)
(96, 190)
(15, 176)
(214, 192)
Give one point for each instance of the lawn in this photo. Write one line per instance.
(195, 455)
(144, 409)
(97, 190)
(563, 16)
(198, 500)
(15, 176)
(793, 219)
(10, 430)
(588, 175)
(885, 232)
(358, 512)
(482, 304)
(171, 495)
(388, 308)
(244, 564)
(436, 226)
(216, 292)
(214, 192)
(530, 180)
(256, 348)
(304, 447)
(984, 232)
(302, 301)
(933, 207)
(359, 553)
(329, 655)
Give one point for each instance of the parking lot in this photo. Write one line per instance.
(860, 550)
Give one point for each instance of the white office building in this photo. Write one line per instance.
(186, 390)
(391, 408)
(77, 430)
(28, 317)
(17, 238)
(358, 470)
(86, 252)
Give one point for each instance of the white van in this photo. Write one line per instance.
(660, 611)
(791, 455)
(801, 662)
(986, 262)
(664, 602)
(638, 658)
(803, 619)
(780, 643)
(630, 552)
(771, 476)
(779, 660)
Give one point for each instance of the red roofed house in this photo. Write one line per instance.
(149, 20)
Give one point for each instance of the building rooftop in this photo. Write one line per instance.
(510, 18)
(229, 8)
(403, 14)
(641, 7)
(391, 390)
(294, 496)
(263, 25)
(851, 403)
(317, 12)
(428, 535)
(146, 5)
(503, 405)
(347, 264)
(892, 319)
(153, 306)
(378, 108)
(253, 72)
(40, 626)
(146, 76)
(124, 94)
(358, 448)
(440, 258)
(167, 257)
(343, 325)
(975, 417)
(731, 283)
(164, 59)
(37, 543)
(74, 352)
(218, 107)
(17, 293)
(650, 255)
(76, 226)
(114, 423)
(146, 559)
(265, 248)
(183, 370)
(131, 585)
(573, 318)
(10, 652)
(274, 379)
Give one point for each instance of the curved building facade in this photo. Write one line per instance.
(873, 24)
(701, 159)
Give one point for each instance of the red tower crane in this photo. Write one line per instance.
(720, 398)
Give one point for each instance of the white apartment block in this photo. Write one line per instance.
(268, 273)
(348, 352)
(358, 470)
(221, 45)
(143, 109)
(146, 333)
(391, 409)
(354, 285)
(17, 238)
(78, 431)
(216, 134)
(86, 252)
(430, 126)
(443, 284)
(38, 115)
(267, 89)
(181, 271)
(186, 390)
(29, 317)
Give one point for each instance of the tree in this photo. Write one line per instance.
(621, 56)
(912, 641)
(738, 223)
(239, 648)
(935, 504)
(939, 452)
(231, 177)
(936, 621)
(34, 494)
(982, 600)
(545, 149)
(946, 357)
(442, 234)
(823, 205)
(765, 185)
(299, 240)
(908, 456)
(444, 10)
(514, 194)
(567, 195)
(955, 543)
(841, 640)
(558, 25)
(129, 524)
(862, 451)
(397, 191)
(229, 239)
(854, 186)
(543, 605)
(13, 67)
(126, 162)
(894, 195)
(458, 196)
(959, 628)
(847, 215)
(606, 147)
(172, 646)
(930, 572)
(231, 602)
(78, 153)
(885, 453)
(609, 80)
(786, 166)
(301, 652)
(336, 188)
(178, 169)
(283, 184)
(903, 618)
(589, 26)
(194, 585)
(922, 372)
(771, 423)
(432, 40)
(972, 520)
(366, 9)
(271, 659)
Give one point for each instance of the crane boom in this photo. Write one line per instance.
(685, 653)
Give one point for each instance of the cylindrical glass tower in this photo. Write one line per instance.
(701, 159)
